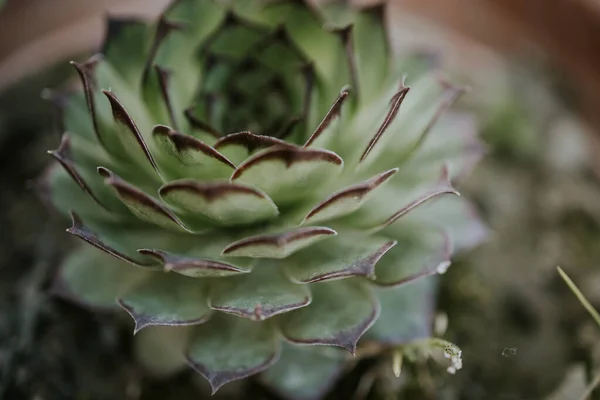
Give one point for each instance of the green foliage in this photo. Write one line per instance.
(250, 176)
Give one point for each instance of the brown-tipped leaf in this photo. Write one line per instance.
(226, 203)
(264, 293)
(142, 205)
(229, 348)
(341, 257)
(287, 174)
(347, 200)
(185, 156)
(340, 313)
(167, 300)
(241, 145)
(278, 245)
(195, 267)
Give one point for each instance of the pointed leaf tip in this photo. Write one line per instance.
(347, 200)
(166, 300)
(340, 314)
(140, 204)
(226, 203)
(264, 293)
(194, 267)
(63, 156)
(278, 245)
(247, 349)
(79, 230)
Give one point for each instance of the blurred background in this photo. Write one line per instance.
(534, 66)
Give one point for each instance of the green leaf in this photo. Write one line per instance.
(278, 245)
(183, 155)
(223, 202)
(229, 348)
(406, 312)
(239, 146)
(58, 188)
(94, 279)
(417, 254)
(457, 216)
(340, 313)
(166, 299)
(347, 200)
(453, 142)
(122, 243)
(132, 142)
(196, 267)
(142, 205)
(341, 257)
(325, 132)
(376, 216)
(99, 193)
(406, 126)
(127, 39)
(160, 349)
(264, 293)
(303, 373)
(289, 174)
(371, 42)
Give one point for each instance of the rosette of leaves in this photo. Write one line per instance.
(258, 185)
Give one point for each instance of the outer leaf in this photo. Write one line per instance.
(288, 174)
(406, 313)
(303, 373)
(229, 348)
(424, 253)
(141, 205)
(166, 300)
(340, 313)
(94, 279)
(132, 141)
(223, 202)
(264, 293)
(195, 267)
(278, 245)
(347, 200)
(342, 257)
(160, 349)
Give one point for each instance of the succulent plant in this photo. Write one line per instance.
(259, 187)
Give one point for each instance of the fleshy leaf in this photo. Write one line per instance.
(140, 204)
(195, 267)
(80, 230)
(443, 186)
(323, 133)
(406, 312)
(279, 245)
(418, 255)
(63, 156)
(160, 349)
(347, 200)
(342, 257)
(340, 313)
(264, 293)
(287, 174)
(303, 373)
(94, 279)
(166, 300)
(229, 348)
(130, 137)
(223, 202)
(239, 146)
(186, 156)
